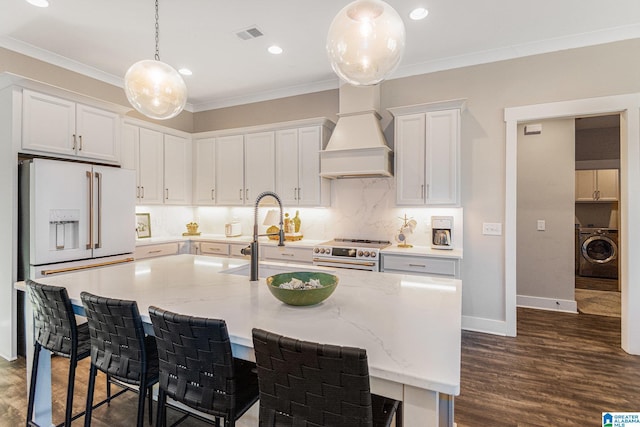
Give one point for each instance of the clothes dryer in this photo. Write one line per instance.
(598, 253)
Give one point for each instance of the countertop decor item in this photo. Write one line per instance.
(407, 227)
(306, 294)
(192, 229)
(155, 88)
(143, 225)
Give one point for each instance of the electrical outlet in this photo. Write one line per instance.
(542, 226)
(492, 228)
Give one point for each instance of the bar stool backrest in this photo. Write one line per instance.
(117, 337)
(54, 321)
(306, 383)
(196, 363)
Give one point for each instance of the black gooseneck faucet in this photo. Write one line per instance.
(252, 249)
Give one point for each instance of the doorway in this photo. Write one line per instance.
(628, 108)
(597, 199)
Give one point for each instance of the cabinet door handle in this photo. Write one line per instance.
(422, 191)
(142, 196)
(137, 192)
(286, 254)
(299, 193)
(74, 142)
(417, 265)
(80, 139)
(166, 193)
(246, 194)
(157, 251)
(241, 194)
(213, 194)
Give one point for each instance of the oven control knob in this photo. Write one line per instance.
(366, 253)
(316, 250)
(360, 253)
(373, 254)
(325, 250)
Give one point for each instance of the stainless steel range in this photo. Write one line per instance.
(357, 254)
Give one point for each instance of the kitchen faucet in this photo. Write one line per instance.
(252, 249)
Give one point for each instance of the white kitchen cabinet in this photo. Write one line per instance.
(204, 171)
(286, 253)
(143, 151)
(229, 170)
(233, 166)
(236, 248)
(244, 167)
(420, 265)
(156, 250)
(427, 145)
(163, 164)
(59, 126)
(298, 180)
(177, 170)
(259, 165)
(214, 248)
(597, 185)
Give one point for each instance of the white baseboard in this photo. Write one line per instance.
(552, 304)
(488, 326)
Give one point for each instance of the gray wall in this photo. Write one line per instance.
(546, 187)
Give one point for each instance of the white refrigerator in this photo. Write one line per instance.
(74, 216)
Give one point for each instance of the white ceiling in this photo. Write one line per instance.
(102, 38)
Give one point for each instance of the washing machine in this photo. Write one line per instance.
(598, 253)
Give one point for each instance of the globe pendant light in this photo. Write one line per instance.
(154, 88)
(365, 42)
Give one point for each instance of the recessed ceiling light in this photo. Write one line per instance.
(185, 71)
(39, 3)
(418, 13)
(276, 50)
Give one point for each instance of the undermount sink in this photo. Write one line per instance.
(267, 270)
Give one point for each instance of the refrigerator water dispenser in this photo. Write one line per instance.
(64, 227)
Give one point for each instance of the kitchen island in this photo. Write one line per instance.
(409, 325)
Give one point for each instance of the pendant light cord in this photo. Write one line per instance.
(157, 34)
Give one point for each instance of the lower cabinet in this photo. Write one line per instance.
(287, 253)
(219, 249)
(161, 249)
(421, 265)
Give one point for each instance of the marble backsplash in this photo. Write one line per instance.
(362, 208)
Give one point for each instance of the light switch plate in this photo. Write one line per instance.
(492, 228)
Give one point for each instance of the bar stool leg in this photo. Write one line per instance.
(70, 385)
(90, 388)
(32, 386)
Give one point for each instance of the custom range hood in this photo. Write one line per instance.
(357, 147)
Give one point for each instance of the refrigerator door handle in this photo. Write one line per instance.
(90, 178)
(99, 210)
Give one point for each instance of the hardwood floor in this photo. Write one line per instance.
(561, 369)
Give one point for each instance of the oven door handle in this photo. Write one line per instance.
(336, 261)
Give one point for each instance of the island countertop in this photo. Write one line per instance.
(409, 325)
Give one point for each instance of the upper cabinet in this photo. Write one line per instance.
(597, 185)
(163, 164)
(298, 180)
(58, 126)
(427, 153)
(232, 167)
(204, 171)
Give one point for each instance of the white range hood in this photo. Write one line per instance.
(357, 147)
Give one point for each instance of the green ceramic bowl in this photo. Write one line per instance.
(302, 296)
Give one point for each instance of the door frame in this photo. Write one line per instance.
(628, 106)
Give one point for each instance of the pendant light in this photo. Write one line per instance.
(154, 88)
(365, 42)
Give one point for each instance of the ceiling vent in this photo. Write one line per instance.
(249, 33)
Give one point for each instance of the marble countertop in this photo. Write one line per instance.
(409, 325)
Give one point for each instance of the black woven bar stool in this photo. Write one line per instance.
(309, 384)
(56, 330)
(120, 349)
(198, 369)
